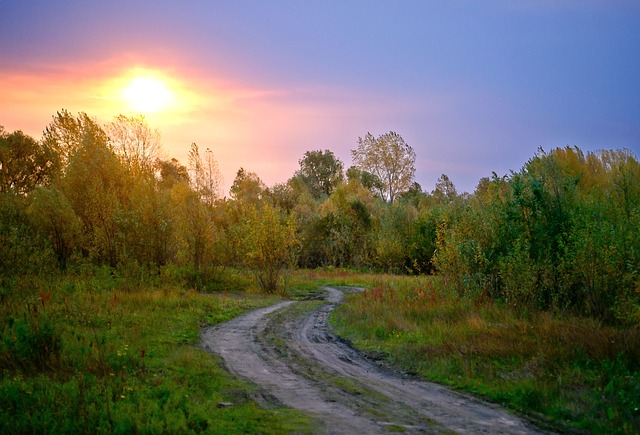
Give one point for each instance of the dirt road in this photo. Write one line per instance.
(289, 352)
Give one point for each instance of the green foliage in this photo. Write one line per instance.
(558, 369)
(421, 243)
(321, 172)
(67, 134)
(22, 251)
(98, 358)
(557, 235)
(343, 231)
(24, 163)
(31, 345)
(561, 234)
(366, 179)
(247, 187)
(394, 237)
(171, 173)
(270, 245)
(97, 186)
(51, 213)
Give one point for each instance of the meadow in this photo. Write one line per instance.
(98, 353)
(564, 372)
(87, 354)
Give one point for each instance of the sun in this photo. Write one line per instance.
(147, 94)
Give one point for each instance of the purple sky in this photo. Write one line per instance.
(473, 86)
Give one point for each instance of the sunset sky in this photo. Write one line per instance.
(473, 86)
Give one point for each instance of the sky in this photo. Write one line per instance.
(474, 87)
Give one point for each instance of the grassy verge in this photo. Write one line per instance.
(306, 283)
(86, 354)
(566, 371)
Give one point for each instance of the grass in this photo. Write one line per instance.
(564, 371)
(306, 282)
(98, 352)
(88, 354)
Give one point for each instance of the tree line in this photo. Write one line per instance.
(559, 234)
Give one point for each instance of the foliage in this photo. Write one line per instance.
(321, 172)
(84, 355)
(206, 176)
(51, 212)
(341, 233)
(560, 234)
(247, 187)
(97, 185)
(558, 369)
(66, 134)
(195, 235)
(22, 251)
(445, 190)
(24, 163)
(557, 235)
(134, 141)
(394, 237)
(270, 245)
(390, 159)
(171, 172)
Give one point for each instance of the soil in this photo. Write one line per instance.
(289, 352)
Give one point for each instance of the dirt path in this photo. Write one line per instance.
(289, 352)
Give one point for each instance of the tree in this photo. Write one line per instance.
(445, 190)
(207, 179)
(195, 231)
(247, 187)
(365, 179)
(67, 134)
(171, 173)
(321, 171)
(390, 159)
(342, 234)
(270, 244)
(98, 187)
(134, 141)
(51, 212)
(24, 163)
(394, 236)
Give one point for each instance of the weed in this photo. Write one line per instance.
(559, 368)
(88, 354)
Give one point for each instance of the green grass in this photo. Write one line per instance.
(88, 354)
(98, 352)
(560, 370)
(306, 282)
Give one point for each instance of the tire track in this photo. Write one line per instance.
(310, 364)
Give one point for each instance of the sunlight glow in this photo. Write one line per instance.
(147, 94)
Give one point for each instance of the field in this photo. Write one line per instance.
(96, 353)
(561, 371)
(91, 354)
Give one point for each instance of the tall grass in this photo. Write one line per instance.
(556, 368)
(89, 354)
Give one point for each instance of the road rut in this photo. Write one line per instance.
(295, 360)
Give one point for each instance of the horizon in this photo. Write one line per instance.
(473, 89)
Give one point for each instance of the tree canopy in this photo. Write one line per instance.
(559, 234)
(390, 159)
(321, 171)
(24, 162)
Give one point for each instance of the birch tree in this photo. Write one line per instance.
(390, 159)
